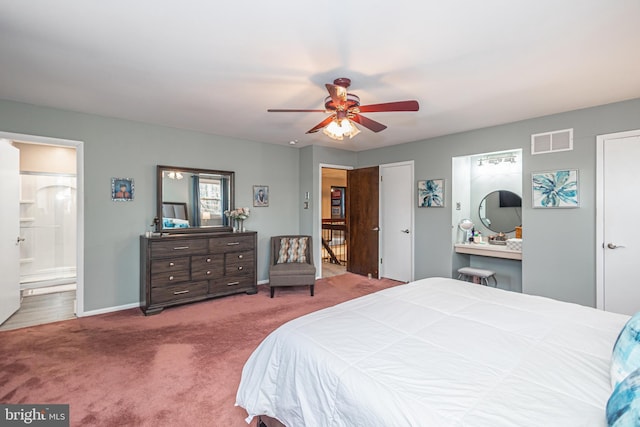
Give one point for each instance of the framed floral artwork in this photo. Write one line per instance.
(431, 193)
(555, 189)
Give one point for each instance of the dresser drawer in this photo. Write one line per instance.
(169, 264)
(231, 243)
(231, 284)
(178, 292)
(239, 263)
(169, 278)
(173, 247)
(206, 267)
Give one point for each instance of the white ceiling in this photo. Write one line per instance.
(217, 67)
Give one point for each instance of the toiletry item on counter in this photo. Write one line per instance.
(514, 244)
(518, 232)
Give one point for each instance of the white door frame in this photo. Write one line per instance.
(600, 140)
(318, 248)
(410, 208)
(79, 146)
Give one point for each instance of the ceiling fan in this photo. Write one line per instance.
(344, 109)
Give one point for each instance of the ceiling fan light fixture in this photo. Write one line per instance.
(339, 129)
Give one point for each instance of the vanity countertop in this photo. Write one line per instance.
(484, 249)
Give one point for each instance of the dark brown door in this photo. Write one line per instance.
(362, 221)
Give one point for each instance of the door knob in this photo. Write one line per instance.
(614, 246)
(406, 231)
(375, 229)
(19, 239)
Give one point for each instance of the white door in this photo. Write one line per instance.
(396, 225)
(9, 229)
(618, 227)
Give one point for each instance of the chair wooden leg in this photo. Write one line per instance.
(272, 289)
(311, 287)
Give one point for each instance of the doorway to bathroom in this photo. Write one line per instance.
(48, 234)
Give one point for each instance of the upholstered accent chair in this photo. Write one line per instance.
(291, 262)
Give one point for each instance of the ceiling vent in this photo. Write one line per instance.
(550, 142)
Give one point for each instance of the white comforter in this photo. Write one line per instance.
(436, 352)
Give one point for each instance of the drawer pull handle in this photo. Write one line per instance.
(181, 292)
(170, 277)
(179, 248)
(208, 259)
(171, 264)
(233, 243)
(240, 268)
(233, 283)
(240, 256)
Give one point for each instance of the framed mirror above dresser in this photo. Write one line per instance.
(193, 200)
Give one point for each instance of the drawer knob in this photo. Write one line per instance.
(171, 264)
(170, 277)
(240, 256)
(240, 268)
(186, 291)
(208, 259)
(208, 272)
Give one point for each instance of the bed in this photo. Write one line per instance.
(174, 215)
(436, 352)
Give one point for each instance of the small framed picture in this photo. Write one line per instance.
(122, 189)
(260, 195)
(431, 193)
(555, 189)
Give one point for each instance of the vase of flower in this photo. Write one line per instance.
(237, 217)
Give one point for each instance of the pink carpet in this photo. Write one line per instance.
(178, 368)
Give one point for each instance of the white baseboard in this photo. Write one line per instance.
(109, 309)
(132, 305)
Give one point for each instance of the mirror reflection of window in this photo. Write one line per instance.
(210, 202)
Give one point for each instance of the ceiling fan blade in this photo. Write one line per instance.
(390, 106)
(368, 123)
(322, 124)
(338, 94)
(276, 110)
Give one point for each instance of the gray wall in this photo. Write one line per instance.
(119, 148)
(558, 244)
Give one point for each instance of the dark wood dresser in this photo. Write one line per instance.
(178, 269)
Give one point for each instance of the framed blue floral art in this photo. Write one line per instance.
(431, 193)
(555, 189)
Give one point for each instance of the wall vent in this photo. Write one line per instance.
(550, 142)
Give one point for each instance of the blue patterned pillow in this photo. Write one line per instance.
(626, 351)
(623, 407)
